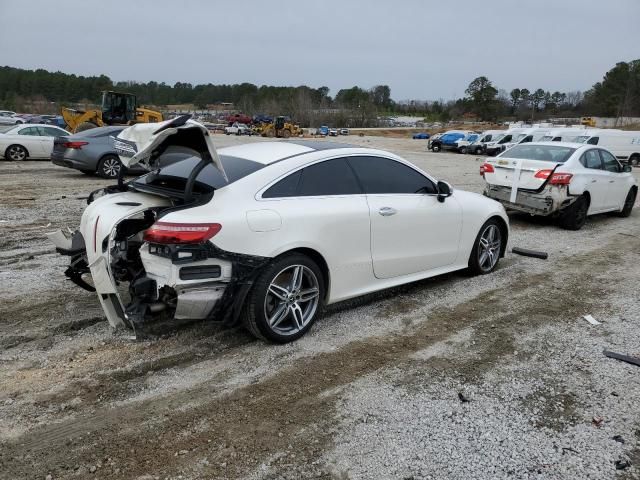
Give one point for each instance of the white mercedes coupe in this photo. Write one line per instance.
(268, 233)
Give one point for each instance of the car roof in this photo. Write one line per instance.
(270, 152)
(557, 144)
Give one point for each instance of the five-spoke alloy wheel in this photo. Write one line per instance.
(487, 248)
(285, 300)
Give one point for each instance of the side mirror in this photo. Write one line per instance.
(627, 168)
(444, 191)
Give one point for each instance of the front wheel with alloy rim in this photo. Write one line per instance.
(487, 248)
(463, 150)
(575, 215)
(16, 153)
(435, 147)
(634, 160)
(109, 166)
(285, 299)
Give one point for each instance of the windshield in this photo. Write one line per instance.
(544, 153)
(519, 138)
(546, 138)
(175, 175)
(497, 138)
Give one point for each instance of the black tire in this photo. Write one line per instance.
(629, 201)
(476, 264)
(88, 172)
(261, 301)
(85, 126)
(575, 215)
(479, 151)
(286, 133)
(16, 153)
(463, 150)
(109, 166)
(634, 160)
(435, 147)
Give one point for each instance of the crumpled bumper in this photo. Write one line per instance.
(547, 202)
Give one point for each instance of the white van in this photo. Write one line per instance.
(533, 134)
(499, 142)
(624, 145)
(477, 145)
(564, 134)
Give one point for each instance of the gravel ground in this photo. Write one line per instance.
(452, 377)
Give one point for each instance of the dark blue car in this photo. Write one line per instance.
(447, 141)
(421, 136)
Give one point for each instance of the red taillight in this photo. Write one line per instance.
(169, 233)
(561, 179)
(486, 168)
(543, 174)
(556, 179)
(75, 145)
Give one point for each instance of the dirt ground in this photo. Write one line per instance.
(454, 377)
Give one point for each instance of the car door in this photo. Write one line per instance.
(411, 231)
(33, 139)
(322, 206)
(617, 187)
(596, 180)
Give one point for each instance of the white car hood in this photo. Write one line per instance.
(143, 143)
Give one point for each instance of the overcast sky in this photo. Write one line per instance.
(421, 49)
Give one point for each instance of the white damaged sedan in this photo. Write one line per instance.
(268, 233)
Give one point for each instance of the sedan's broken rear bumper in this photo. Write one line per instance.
(547, 202)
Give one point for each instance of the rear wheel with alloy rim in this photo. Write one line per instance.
(487, 248)
(16, 153)
(285, 300)
(629, 202)
(109, 166)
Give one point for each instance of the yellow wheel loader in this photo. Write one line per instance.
(280, 128)
(117, 109)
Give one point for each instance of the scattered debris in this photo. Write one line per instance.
(591, 320)
(530, 253)
(568, 449)
(622, 464)
(622, 358)
(462, 398)
(617, 438)
(597, 421)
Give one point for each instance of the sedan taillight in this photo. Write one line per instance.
(486, 168)
(557, 178)
(75, 145)
(180, 233)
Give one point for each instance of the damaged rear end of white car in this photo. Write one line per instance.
(146, 272)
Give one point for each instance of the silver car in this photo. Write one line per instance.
(91, 151)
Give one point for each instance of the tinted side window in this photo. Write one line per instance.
(28, 131)
(591, 159)
(332, 177)
(287, 187)
(593, 140)
(53, 132)
(610, 162)
(383, 175)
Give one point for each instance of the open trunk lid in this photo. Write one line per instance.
(144, 143)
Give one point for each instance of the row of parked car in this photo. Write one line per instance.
(624, 144)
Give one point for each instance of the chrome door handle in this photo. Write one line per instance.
(593, 181)
(387, 211)
(611, 181)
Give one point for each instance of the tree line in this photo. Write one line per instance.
(617, 94)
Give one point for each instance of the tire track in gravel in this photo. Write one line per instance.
(205, 434)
